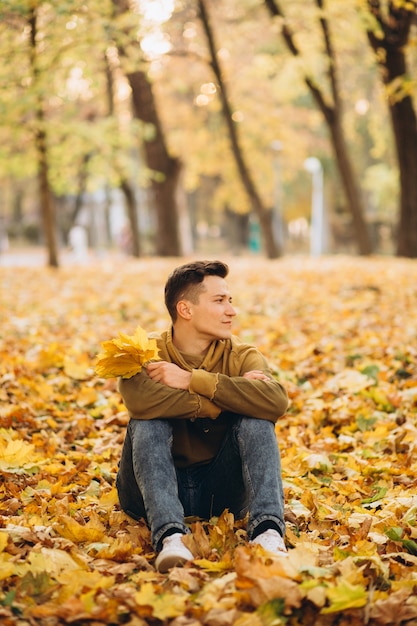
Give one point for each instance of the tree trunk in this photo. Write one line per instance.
(82, 186)
(124, 184)
(47, 203)
(264, 214)
(404, 123)
(17, 211)
(350, 186)
(333, 119)
(45, 194)
(166, 169)
(130, 199)
(396, 29)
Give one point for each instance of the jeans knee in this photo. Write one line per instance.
(250, 426)
(147, 432)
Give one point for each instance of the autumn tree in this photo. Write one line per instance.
(333, 115)
(389, 29)
(41, 143)
(166, 169)
(27, 19)
(56, 124)
(263, 213)
(37, 41)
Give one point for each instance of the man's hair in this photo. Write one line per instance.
(186, 282)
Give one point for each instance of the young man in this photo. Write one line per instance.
(201, 437)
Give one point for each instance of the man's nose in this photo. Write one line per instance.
(231, 310)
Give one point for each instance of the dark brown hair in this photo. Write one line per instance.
(185, 282)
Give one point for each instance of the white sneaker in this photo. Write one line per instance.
(271, 541)
(173, 553)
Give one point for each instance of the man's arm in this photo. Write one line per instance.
(145, 398)
(169, 374)
(254, 392)
(251, 397)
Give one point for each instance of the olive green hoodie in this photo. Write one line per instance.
(217, 393)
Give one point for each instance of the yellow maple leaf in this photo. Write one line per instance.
(126, 355)
(74, 581)
(119, 550)
(345, 596)
(4, 538)
(87, 396)
(51, 560)
(69, 528)
(77, 367)
(213, 566)
(50, 356)
(110, 498)
(163, 605)
(17, 454)
(7, 567)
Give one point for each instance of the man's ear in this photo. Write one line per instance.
(183, 309)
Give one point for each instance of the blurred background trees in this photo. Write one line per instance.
(168, 127)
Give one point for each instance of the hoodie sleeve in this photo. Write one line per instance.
(146, 399)
(254, 398)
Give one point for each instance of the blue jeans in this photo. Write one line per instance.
(245, 476)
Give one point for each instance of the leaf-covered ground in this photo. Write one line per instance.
(342, 334)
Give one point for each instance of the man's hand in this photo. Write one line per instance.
(169, 374)
(257, 375)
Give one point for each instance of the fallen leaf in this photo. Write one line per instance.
(345, 596)
(162, 605)
(93, 530)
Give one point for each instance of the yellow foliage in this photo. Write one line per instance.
(118, 550)
(69, 528)
(16, 453)
(78, 369)
(213, 566)
(345, 596)
(4, 537)
(51, 560)
(75, 581)
(162, 605)
(7, 567)
(126, 355)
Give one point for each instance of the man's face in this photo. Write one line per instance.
(211, 317)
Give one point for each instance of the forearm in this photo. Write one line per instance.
(254, 398)
(147, 399)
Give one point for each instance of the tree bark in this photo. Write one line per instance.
(264, 214)
(166, 168)
(125, 185)
(45, 194)
(333, 119)
(130, 199)
(392, 61)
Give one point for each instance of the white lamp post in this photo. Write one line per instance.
(313, 166)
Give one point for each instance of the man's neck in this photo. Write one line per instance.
(188, 344)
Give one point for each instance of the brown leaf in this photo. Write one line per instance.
(265, 579)
(397, 609)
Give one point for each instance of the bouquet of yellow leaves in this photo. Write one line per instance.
(126, 355)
